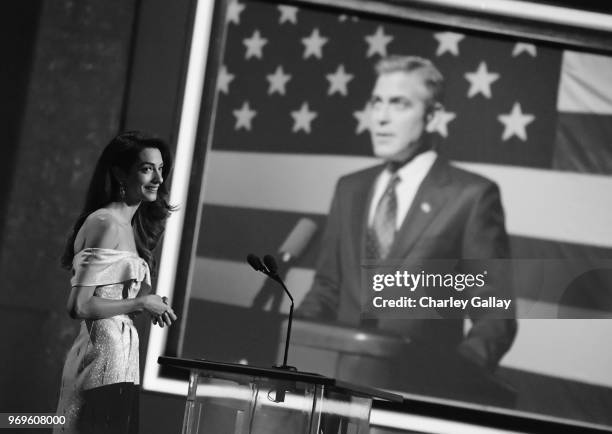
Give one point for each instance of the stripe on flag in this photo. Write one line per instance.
(566, 207)
(584, 125)
(584, 86)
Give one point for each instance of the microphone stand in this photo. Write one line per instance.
(283, 386)
(270, 269)
(277, 278)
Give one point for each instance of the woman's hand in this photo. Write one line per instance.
(154, 304)
(160, 313)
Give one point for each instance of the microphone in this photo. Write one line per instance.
(271, 264)
(297, 240)
(270, 269)
(255, 262)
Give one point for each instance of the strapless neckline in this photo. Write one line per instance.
(103, 249)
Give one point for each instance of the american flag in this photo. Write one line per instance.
(291, 118)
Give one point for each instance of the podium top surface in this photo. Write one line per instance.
(230, 371)
(346, 339)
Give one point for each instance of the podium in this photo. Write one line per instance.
(254, 400)
(395, 363)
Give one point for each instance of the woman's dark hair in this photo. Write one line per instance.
(150, 218)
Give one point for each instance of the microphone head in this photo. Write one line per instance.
(255, 262)
(298, 239)
(270, 263)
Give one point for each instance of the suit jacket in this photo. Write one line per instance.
(455, 215)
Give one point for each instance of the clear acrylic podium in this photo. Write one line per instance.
(240, 399)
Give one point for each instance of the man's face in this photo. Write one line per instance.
(398, 110)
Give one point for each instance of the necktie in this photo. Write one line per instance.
(382, 232)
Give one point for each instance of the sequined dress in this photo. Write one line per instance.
(105, 353)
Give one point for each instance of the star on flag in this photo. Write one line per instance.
(515, 123)
(448, 42)
(343, 17)
(363, 119)
(302, 118)
(287, 14)
(439, 122)
(254, 45)
(244, 116)
(224, 79)
(313, 45)
(277, 81)
(521, 47)
(377, 42)
(480, 81)
(234, 9)
(338, 81)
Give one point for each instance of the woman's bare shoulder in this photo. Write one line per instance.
(100, 230)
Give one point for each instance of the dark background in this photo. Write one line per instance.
(73, 74)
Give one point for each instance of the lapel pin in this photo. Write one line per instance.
(425, 207)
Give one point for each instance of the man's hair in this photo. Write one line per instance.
(434, 81)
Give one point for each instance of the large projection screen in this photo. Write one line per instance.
(275, 112)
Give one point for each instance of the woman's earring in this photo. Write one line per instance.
(121, 191)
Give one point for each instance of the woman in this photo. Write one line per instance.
(110, 253)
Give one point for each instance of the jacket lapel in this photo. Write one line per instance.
(429, 199)
(360, 205)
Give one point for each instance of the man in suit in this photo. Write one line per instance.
(415, 206)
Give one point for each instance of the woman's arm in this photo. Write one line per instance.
(82, 304)
(103, 232)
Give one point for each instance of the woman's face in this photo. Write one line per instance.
(145, 177)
